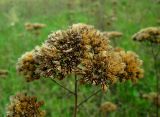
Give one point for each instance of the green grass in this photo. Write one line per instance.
(15, 40)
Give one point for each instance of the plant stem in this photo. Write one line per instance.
(75, 97)
(63, 87)
(86, 99)
(156, 70)
(156, 73)
(155, 57)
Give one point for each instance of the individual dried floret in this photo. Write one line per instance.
(113, 34)
(108, 107)
(22, 105)
(150, 34)
(153, 97)
(132, 70)
(26, 65)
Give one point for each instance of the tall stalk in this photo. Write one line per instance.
(155, 55)
(75, 96)
(156, 71)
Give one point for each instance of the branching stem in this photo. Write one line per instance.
(63, 87)
(86, 99)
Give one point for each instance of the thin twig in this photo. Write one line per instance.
(63, 87)
(86, 99)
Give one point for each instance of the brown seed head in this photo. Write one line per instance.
(113, 34)
(84, 51)
(108, 107)
(132, 70)
(24, 106)
(26, 65)
(154, 97)
(150, 34)
(34, 26)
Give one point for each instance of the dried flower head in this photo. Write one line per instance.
(34, 26)
(26, 65)
(132, 70)
(63, 52)
(3, 73)
(81, 49)
(113, 34)
(108, 107)
(154, 97)
(151, 34)
(24, 106)
(102, 69)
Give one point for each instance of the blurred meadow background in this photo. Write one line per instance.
(126, 16)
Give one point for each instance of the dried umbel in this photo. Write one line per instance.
(34, 26)
(150, 34)
(132, 70)
(113, 34)
(3, 73)
(154, 97)
(24, 106)
(108, 107)
(81, 50)
(102, 69)
(26, 65)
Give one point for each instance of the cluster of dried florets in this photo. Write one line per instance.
(102, 69)
(154, 97)
(113, 34)
(108, 107)
(27, 65)
(24, 106)
(34, 27)
(151, 34)
(81, 50)
(3, 73)
(132, 70)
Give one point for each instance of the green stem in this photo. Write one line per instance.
(63, 87)
(75, 97)
(156, 71)
(86, 99)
